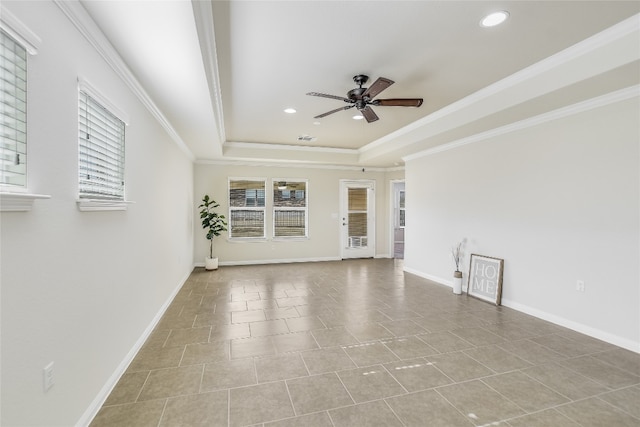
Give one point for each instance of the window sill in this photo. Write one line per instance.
(93, 205)
(19, 202)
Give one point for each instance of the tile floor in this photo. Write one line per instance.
(360, 343)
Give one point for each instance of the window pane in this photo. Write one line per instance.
(13, 112)
(246, 193)
(357, 199)
(289, 223)
(246, 223)
(289, 194)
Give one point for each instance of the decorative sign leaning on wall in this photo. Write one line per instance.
(485, 278)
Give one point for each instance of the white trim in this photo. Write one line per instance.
(575, 326)
(580, 107)
(305, 148)
(89, 89)
(19, 31)
(540, 314)
(94, 205)
(624, 28)
(19, 202)
(272, 261)
(237, 161)
(203, 16)
(88, 28)
(101, 397)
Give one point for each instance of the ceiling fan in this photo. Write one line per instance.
(362, 98)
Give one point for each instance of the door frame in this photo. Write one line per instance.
(370, 184)
(393, 200)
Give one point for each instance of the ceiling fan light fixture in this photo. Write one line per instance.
(282, 186)
(495, 18)
(290, 110)
(358, 117)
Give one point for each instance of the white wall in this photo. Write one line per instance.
(81, 288)
(559, 202)
(324, 202)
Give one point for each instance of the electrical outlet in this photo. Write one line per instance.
(580, 286)
(47, 376)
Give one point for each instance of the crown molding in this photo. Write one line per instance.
(292, 165)
(304, 148)
(580, 107)
(604, 38)
(90, 31)
(203, 15)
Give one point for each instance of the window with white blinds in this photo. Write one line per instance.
(100, 151)
(13, 113)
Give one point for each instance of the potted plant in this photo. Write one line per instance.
(457, 275)
(214, 224)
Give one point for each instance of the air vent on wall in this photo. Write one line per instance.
(307, 138)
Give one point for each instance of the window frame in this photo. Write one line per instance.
(262, 209)
(91, 201)
(292, 195)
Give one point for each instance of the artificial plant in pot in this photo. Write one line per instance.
(457, 275)
(214, 224)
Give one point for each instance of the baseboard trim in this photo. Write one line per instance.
(99, 400)
(575, 326)
(271, 261)
(557, 320)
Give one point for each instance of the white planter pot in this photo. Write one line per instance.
(457, 282)
(211, 263)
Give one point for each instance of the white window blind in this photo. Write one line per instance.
(13, 112)
(246, 208)
(101, 151)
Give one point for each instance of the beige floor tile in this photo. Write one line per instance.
(327, 360)
(426, 408)
(332, 337)
(459, 367)
(318, 419)
(371, 383)
(565, 381)
(372, 414)
(318, 393)
(524, 391)
(296, 341)
(252, 347)
(128, 388)
(280, 367)
(172, 382)
(141, 414)
(548, 418)
(627, 399)
(409, 347)
(597, 413)
(236, 373)
(481, 404)
(417, 374)
(206, 409)
(602, 372)
(497, 359)
(445, 342)
(371, 353)
(303, 334)
(259, 403)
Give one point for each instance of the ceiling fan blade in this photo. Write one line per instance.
(377, 87)
(324, 95)
(369, 114)
(399, 102)
(334, 111)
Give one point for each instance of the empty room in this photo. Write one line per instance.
(320, 213)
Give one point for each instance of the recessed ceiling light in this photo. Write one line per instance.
(494, 19)
(289, 110)
(358, 117)
(316, 123)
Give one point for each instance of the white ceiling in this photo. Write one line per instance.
(222, 72)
